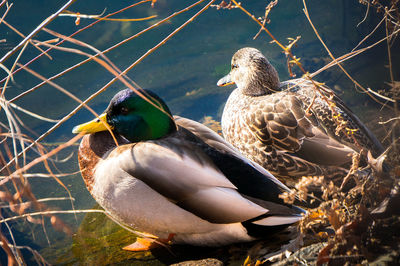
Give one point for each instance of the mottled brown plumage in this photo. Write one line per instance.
(266, 120)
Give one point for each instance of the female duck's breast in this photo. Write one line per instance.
(234, 126)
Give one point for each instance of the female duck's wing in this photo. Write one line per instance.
(280, 120)
(322, 111)
(361, 133)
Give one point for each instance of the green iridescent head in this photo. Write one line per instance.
(133, 117)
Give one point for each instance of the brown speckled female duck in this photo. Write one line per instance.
(266, 120)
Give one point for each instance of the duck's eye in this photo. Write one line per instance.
(234, 66)
(124, 110)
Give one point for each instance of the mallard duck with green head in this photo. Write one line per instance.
(288, 127)
(175, 178)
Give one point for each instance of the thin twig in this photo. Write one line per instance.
(35, 31)
(388, 50)
(366, 15)
(388, 121)
(11, 257)
(79, 16)
(30, 41)
(333, 58)
(39, 200)
(5, 13)
(14, 250)
(16, 107)
(42, 175)
(43, 158)
(265, 20)
(352, 54)
(49, 212)
(369, 35)
(11, 70)
(3, 2)
(39, 259)
(380, 95)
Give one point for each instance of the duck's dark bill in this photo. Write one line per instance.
(225, 81)
(96, 125)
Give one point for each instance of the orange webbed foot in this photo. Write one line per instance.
(145, 244)
(141, 244)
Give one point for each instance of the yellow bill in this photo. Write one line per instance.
(96, 125)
